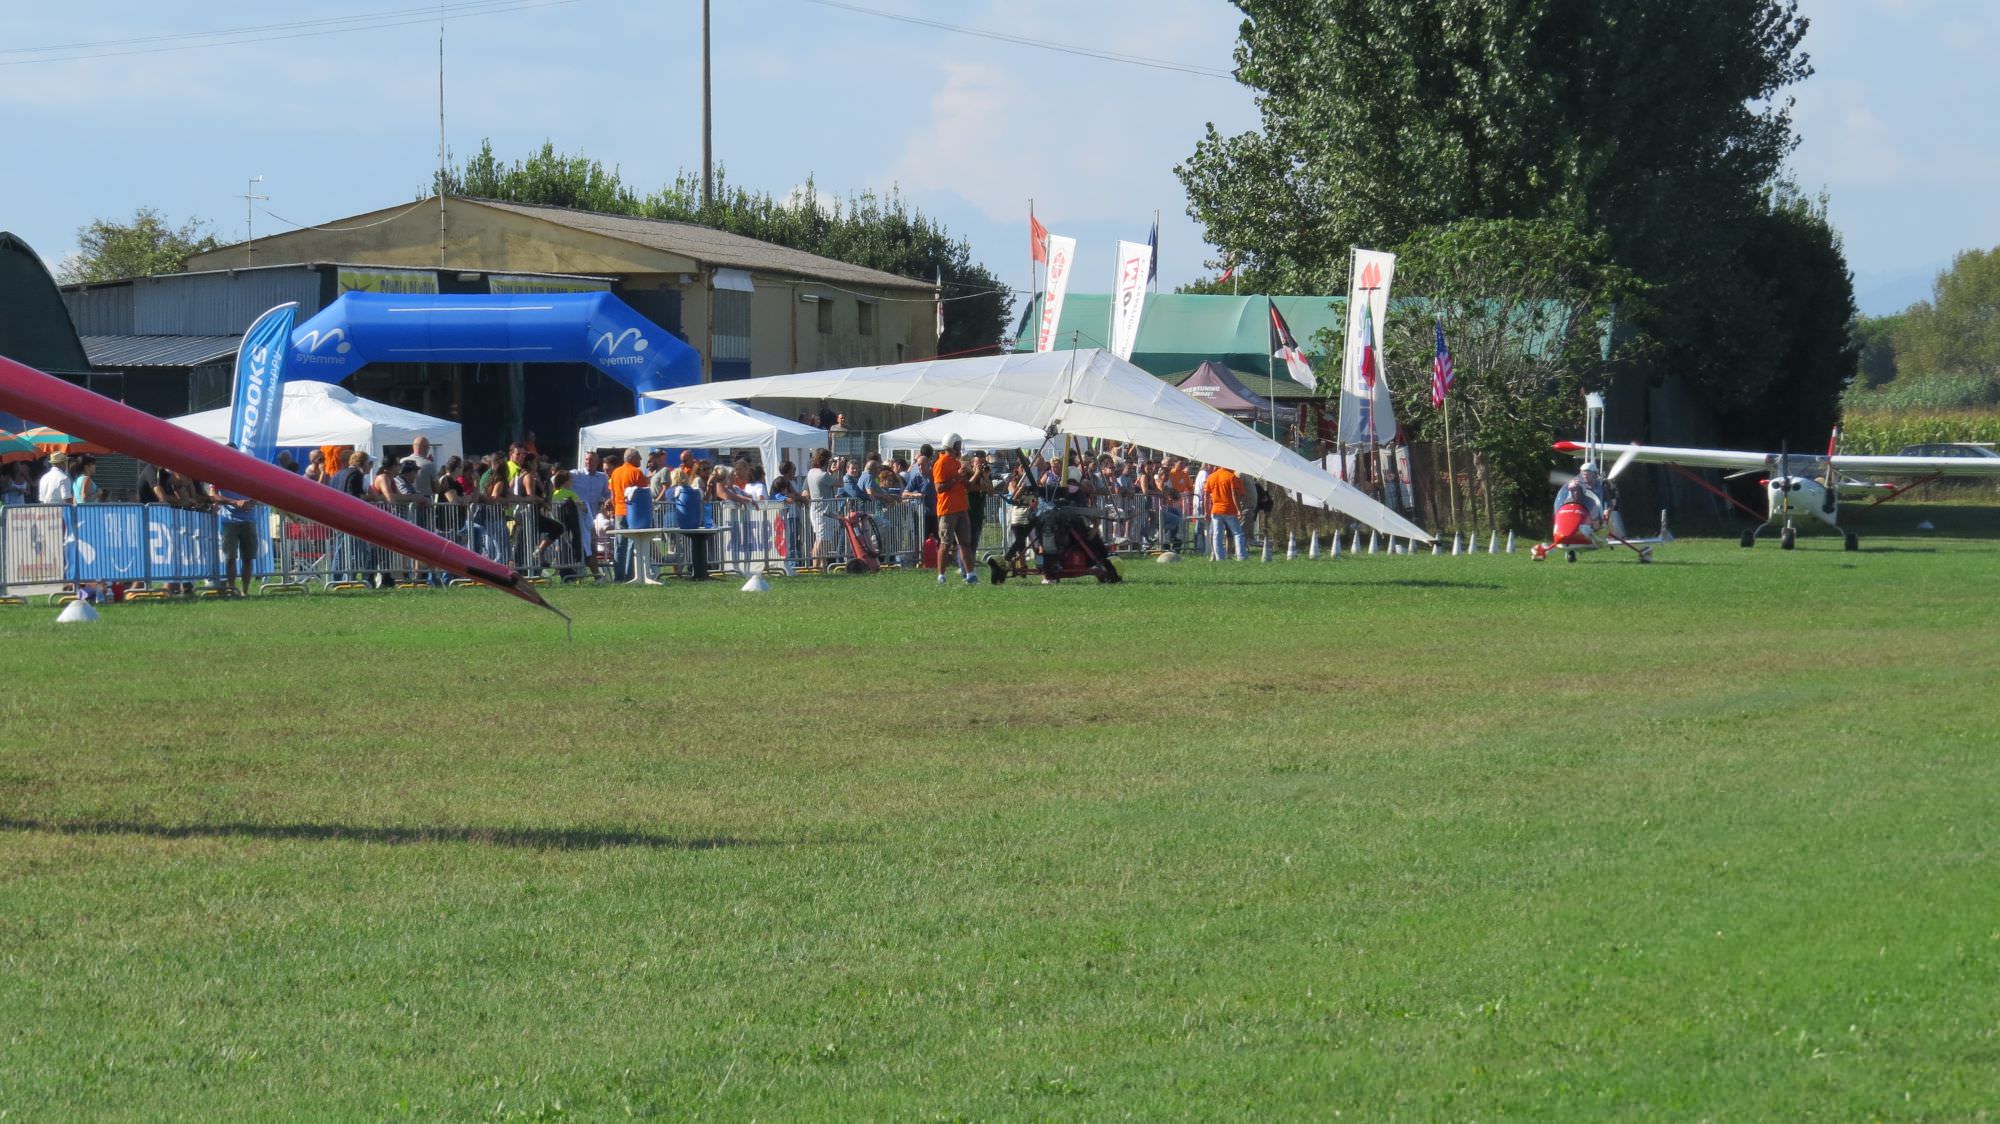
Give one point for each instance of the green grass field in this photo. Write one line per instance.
(1383, 837)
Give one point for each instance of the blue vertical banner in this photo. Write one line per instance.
(260, 383)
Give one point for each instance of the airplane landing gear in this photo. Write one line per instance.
(1788, 538)
(1853, 541)
(1748, 540)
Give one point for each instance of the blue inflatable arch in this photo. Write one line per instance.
(595, 328)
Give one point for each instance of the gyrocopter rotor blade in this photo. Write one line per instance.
(1624, 459)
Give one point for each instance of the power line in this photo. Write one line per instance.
(1025, 41)
(265, 33)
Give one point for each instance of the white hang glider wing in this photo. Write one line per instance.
(1085, 393)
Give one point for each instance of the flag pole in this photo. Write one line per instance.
(1034, 283)
(1451, 477)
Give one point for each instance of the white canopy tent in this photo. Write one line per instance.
(707, 425)
(1085, 393)
(977, 430)
(318, 413)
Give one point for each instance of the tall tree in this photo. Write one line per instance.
(1957, 331)
(1875, 337)
(1524, 305)
(865, 229)
(144, 247)
(1657, 126)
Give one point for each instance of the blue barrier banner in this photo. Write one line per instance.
(260, 377)
(112, 542)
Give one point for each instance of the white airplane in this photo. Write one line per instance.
(1801, 485)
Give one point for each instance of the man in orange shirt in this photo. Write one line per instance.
(1224, 493)
(950, 473)
(624, 478)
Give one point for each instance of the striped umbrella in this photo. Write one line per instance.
(55, 441)
(13, 448)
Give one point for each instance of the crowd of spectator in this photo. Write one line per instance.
(1147, 500)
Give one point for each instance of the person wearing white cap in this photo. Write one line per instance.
(950, 474)
(54, 486)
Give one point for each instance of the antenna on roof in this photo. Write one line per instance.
(250, 198)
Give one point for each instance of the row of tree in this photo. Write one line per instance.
(865, 229)
(1954, 334)
(1614, 164)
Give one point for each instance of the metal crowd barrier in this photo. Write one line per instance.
(45, 547)
(113, 546)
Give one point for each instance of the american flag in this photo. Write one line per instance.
(1441, 370)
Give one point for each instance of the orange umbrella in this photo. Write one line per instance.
(13, 448)
(55, 441)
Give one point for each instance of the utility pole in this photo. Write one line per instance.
(442, 157)
(250, 198)
(707, 147)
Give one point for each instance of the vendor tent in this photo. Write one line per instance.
(1219, 387)
(707, 425)
(317, 413)
(977, 430)
(1084, 393)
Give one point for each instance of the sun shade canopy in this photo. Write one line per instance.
(1085, 393)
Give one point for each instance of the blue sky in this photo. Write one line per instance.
(1895, 124)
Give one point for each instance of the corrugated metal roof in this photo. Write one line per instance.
(710, 246)
(112, 352)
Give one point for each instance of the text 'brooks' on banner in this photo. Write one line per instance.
(260, 383)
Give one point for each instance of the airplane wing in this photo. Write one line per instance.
(1918, 466)
(1802, 463)
(1686, 458)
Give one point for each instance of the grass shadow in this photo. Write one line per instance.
(1407, 583)
(528, 838)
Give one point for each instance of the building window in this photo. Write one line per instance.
(866, 317)
(825, 308)
(732, 326)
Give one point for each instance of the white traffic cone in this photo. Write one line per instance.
(77, 612)
(1437, 546)
(1291, 547)
(1454, 544)
(1371, 542)
(1267, 550)
(1335, 551)
(1510, 542)
(757, 584)
(1355, 546)
(1312, 550)
(1493, 543)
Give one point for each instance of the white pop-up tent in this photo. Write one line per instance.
(318, 413)
(708, 425)
(1085, 393)
(977, 431)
